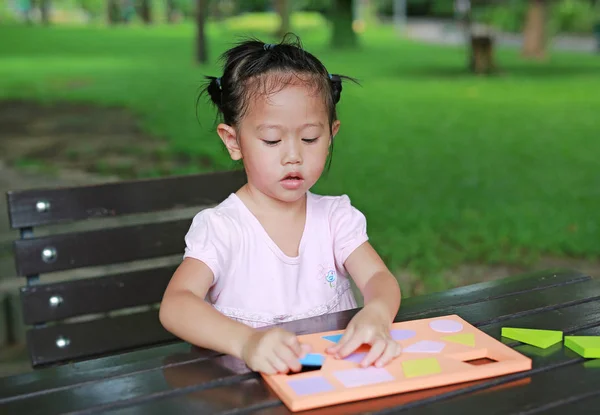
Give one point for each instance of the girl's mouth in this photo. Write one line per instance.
(292, 181)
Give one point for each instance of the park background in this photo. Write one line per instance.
(471, 143)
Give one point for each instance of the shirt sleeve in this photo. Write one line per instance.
(348, 227)
(207, 241)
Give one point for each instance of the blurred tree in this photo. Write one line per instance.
(45, 11)
(534, 30)
(479, 36)
(201, 14)
(93, 8)
(251, 6)
(144, 9)
(113, 12)
(320, 6)
(170, 10)
(29, 7)
(343, 35)
(283, 10)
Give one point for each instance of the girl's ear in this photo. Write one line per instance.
(229, 137)
(335, 127)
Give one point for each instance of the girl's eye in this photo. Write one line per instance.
(271, 142)
(310, 140)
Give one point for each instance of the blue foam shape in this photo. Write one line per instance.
(312, 359)
(333, 338)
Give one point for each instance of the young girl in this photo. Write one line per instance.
(274, 251)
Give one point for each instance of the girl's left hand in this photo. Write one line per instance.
(369, 326)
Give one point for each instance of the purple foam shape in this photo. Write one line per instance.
(425, 346)
(446, 326)
(352, 378)
(356, 357)
(309, 386)
(399, 334)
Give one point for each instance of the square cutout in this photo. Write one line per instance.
(304, 369)
(480, 362)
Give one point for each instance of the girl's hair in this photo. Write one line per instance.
(253, 67)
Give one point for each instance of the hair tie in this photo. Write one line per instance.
(268, 46)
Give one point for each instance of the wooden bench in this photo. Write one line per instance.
(79, 318)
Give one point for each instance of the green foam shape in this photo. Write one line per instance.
(420, 367)
(468, 339)
(585, 346)
(539, 338)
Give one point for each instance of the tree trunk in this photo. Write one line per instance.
(283, 9)
(482, 54)
(534, 33)
(171, 11)
(113, 12)
(145, 11)
(45, 11)
(201, 12)
(343, 35)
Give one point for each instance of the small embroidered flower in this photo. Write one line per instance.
(330, 278)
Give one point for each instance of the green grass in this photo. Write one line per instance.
(449, 168)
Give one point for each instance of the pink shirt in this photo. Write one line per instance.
(255, 282)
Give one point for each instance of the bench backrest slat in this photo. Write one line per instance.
(119, 198)
(100, 247)
(61, 300)
(95, 338)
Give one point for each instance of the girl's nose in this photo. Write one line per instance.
(292, 153)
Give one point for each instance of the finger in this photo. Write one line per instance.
(293, 344)
(391, 351)
(351, 345)
(278, 364)
(289, 358)
(376, 350)
(398, 350)
(306, 348)
(267, 368)
(336, 347)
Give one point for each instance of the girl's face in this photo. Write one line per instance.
(283, 140)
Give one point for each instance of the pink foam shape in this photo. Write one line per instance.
(356, 357)
(352, 378)
(309, 386)
(446, 326)
(400, 334)
(425, 346)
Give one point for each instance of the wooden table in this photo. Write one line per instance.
(180, 379)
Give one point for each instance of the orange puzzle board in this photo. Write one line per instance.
(435, 352)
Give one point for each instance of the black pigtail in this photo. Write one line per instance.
(212, 87)
(336, 87)
(214, 90)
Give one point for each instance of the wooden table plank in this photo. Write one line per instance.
(576, 405)
(492, 290)
(138, 362)
(64, 377)
(493, 313)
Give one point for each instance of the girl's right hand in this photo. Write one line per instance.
(274, 351)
